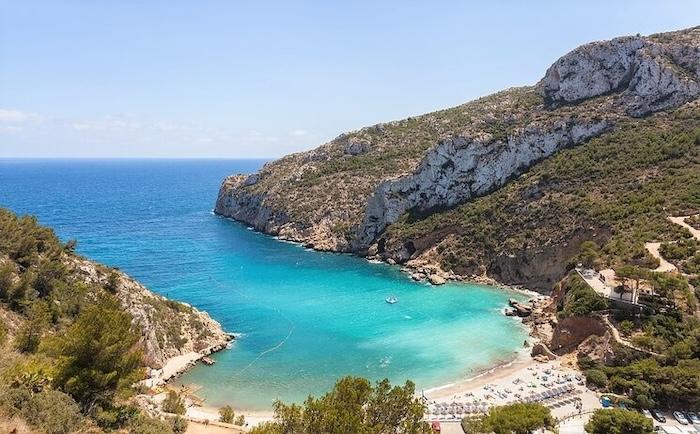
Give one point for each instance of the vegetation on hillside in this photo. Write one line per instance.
(620, 186)
(580, 299)
(666, 373)
(70, 354)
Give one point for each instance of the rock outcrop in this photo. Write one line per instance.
(168, 328)
(461, 168)
(344, 195)
(649, 74)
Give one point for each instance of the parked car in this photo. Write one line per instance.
(692, 417)
(647, 413)
(656, 414)
(680, 417)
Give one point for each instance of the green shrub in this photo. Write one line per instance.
(581, 299)
(226, 414)
(173, 403)
(596, 377)
(53, 412)
(97, 356)
(143, 424)
(618, 421)
(13, 399)
(626, 327)
(513, 418)
(178, 424)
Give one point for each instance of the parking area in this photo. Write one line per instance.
(673, 426)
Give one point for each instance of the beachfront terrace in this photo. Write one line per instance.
(606, 284)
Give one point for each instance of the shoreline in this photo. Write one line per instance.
(407, 269)
(482, 376)
(498, 371)
(176, 366)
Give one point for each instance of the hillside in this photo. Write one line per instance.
(410, 190)
(80, 334)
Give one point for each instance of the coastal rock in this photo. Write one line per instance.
(347, 194)
(540, 349)
(168, 328)
(650, 74)
(598, 348)
(436, 279)
(572, 331)
(461, 168)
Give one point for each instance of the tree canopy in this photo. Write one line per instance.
(352, 406)
(520, 418)
(97, 354)
(619, 421)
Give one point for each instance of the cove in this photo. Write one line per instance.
(305, 318)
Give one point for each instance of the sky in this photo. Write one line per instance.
(244, 79)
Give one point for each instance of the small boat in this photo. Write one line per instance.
(392, 299)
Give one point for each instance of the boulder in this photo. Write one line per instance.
(436, 279)
(540, 349)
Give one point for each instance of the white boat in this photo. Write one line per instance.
(392, 299)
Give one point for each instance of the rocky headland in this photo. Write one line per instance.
(390, 191)
(169, 329)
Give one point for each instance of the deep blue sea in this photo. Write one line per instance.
(305, 318)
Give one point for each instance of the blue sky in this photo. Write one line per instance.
(230, 78)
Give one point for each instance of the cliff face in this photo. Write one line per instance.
(344, 195)
(168, 328)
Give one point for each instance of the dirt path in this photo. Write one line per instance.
(619, 339)
(664, 265)
(681, 221)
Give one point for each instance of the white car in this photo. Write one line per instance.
(647, 413)
(692, 417)
(680, 417)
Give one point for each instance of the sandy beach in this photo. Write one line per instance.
(551, 383)
(491, 375)
(518, 380)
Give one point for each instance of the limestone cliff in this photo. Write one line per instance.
(168, 328)
(344, 195)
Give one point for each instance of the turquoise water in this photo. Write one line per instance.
(305, 318)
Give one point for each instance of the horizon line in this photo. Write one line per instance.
(137, 158)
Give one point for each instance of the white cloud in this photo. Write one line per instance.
(108, 123)
(10, 116)
(298, 133)
(11, 128)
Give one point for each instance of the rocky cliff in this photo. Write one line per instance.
(168, 328)
(346, 194)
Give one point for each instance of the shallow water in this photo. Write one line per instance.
(305, 318)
